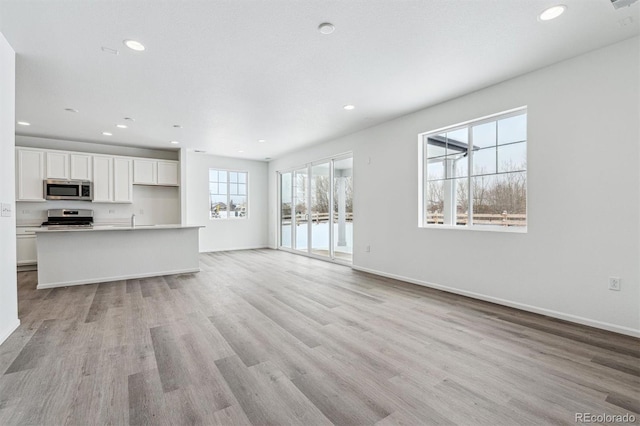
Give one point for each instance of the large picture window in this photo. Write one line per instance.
(475, 174)
(228, 194)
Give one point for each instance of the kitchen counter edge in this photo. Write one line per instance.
(101, 228)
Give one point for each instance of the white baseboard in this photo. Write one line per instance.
(119, 278)
(522, 306)
(4, 334)
(235, 249)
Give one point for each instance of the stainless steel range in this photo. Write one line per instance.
(69, 218)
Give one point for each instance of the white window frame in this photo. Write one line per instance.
(228, 203)
(422, 178)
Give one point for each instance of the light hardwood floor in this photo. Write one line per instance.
(268, 337)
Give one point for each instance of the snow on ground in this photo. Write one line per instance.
(320, 236)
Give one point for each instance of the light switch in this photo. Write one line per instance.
(6, 210)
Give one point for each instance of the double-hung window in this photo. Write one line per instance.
(228, 194)
(474, 174)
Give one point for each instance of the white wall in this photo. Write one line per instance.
(221, 234)
(583, 193)
(8, 284)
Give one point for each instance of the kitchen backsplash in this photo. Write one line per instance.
(152, 205)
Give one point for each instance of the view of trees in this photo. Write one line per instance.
(320, 196)
(490, 193)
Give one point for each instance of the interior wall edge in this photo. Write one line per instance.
(4, 335)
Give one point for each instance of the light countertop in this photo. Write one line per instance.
(101, 228)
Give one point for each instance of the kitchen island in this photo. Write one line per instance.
(73, 256)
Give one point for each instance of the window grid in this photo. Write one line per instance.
(503, 184)
(228, 194)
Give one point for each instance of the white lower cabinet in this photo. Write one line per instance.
(26, 251)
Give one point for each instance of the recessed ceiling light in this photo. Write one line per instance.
(241, 151)
(71, 110)
(134, 45)
(24, 123)
(262, 140)
(552, 13)
(175, 142)
(121, 126)
(349, 107)
(326, 28)
(107, 134)
(177, 126)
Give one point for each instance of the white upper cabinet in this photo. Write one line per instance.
(57, 165)
(168, 173)
(81, 166)
(112, 179)
(145, 172)
(113, 176)
(64, 165)
(155, 172)
(102, 179)
(122, 180)
(29, 175)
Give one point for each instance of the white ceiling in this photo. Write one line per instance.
(232, 72)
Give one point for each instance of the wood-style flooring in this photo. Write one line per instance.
(266, 337)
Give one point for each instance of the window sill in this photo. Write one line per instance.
(489, 228)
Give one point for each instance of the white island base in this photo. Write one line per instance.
(84, 256)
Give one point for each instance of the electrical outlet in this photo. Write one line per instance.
(141, 211)
(367, 249)
(112, 211)
(614, 283)
(6, 210)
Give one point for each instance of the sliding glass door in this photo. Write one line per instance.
(316, 209)
(320, 220)
(301, 203)
(286, 204)
(343, 208)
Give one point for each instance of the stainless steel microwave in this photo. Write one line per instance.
(56, 189)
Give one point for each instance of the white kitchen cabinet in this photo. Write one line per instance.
(57, 165)
(122, 180)
(112, 179)
(81, 166)
(168, 173)
(26, 250)
(145, 172)
(155, 172)
(102, 179)
(29, 175)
